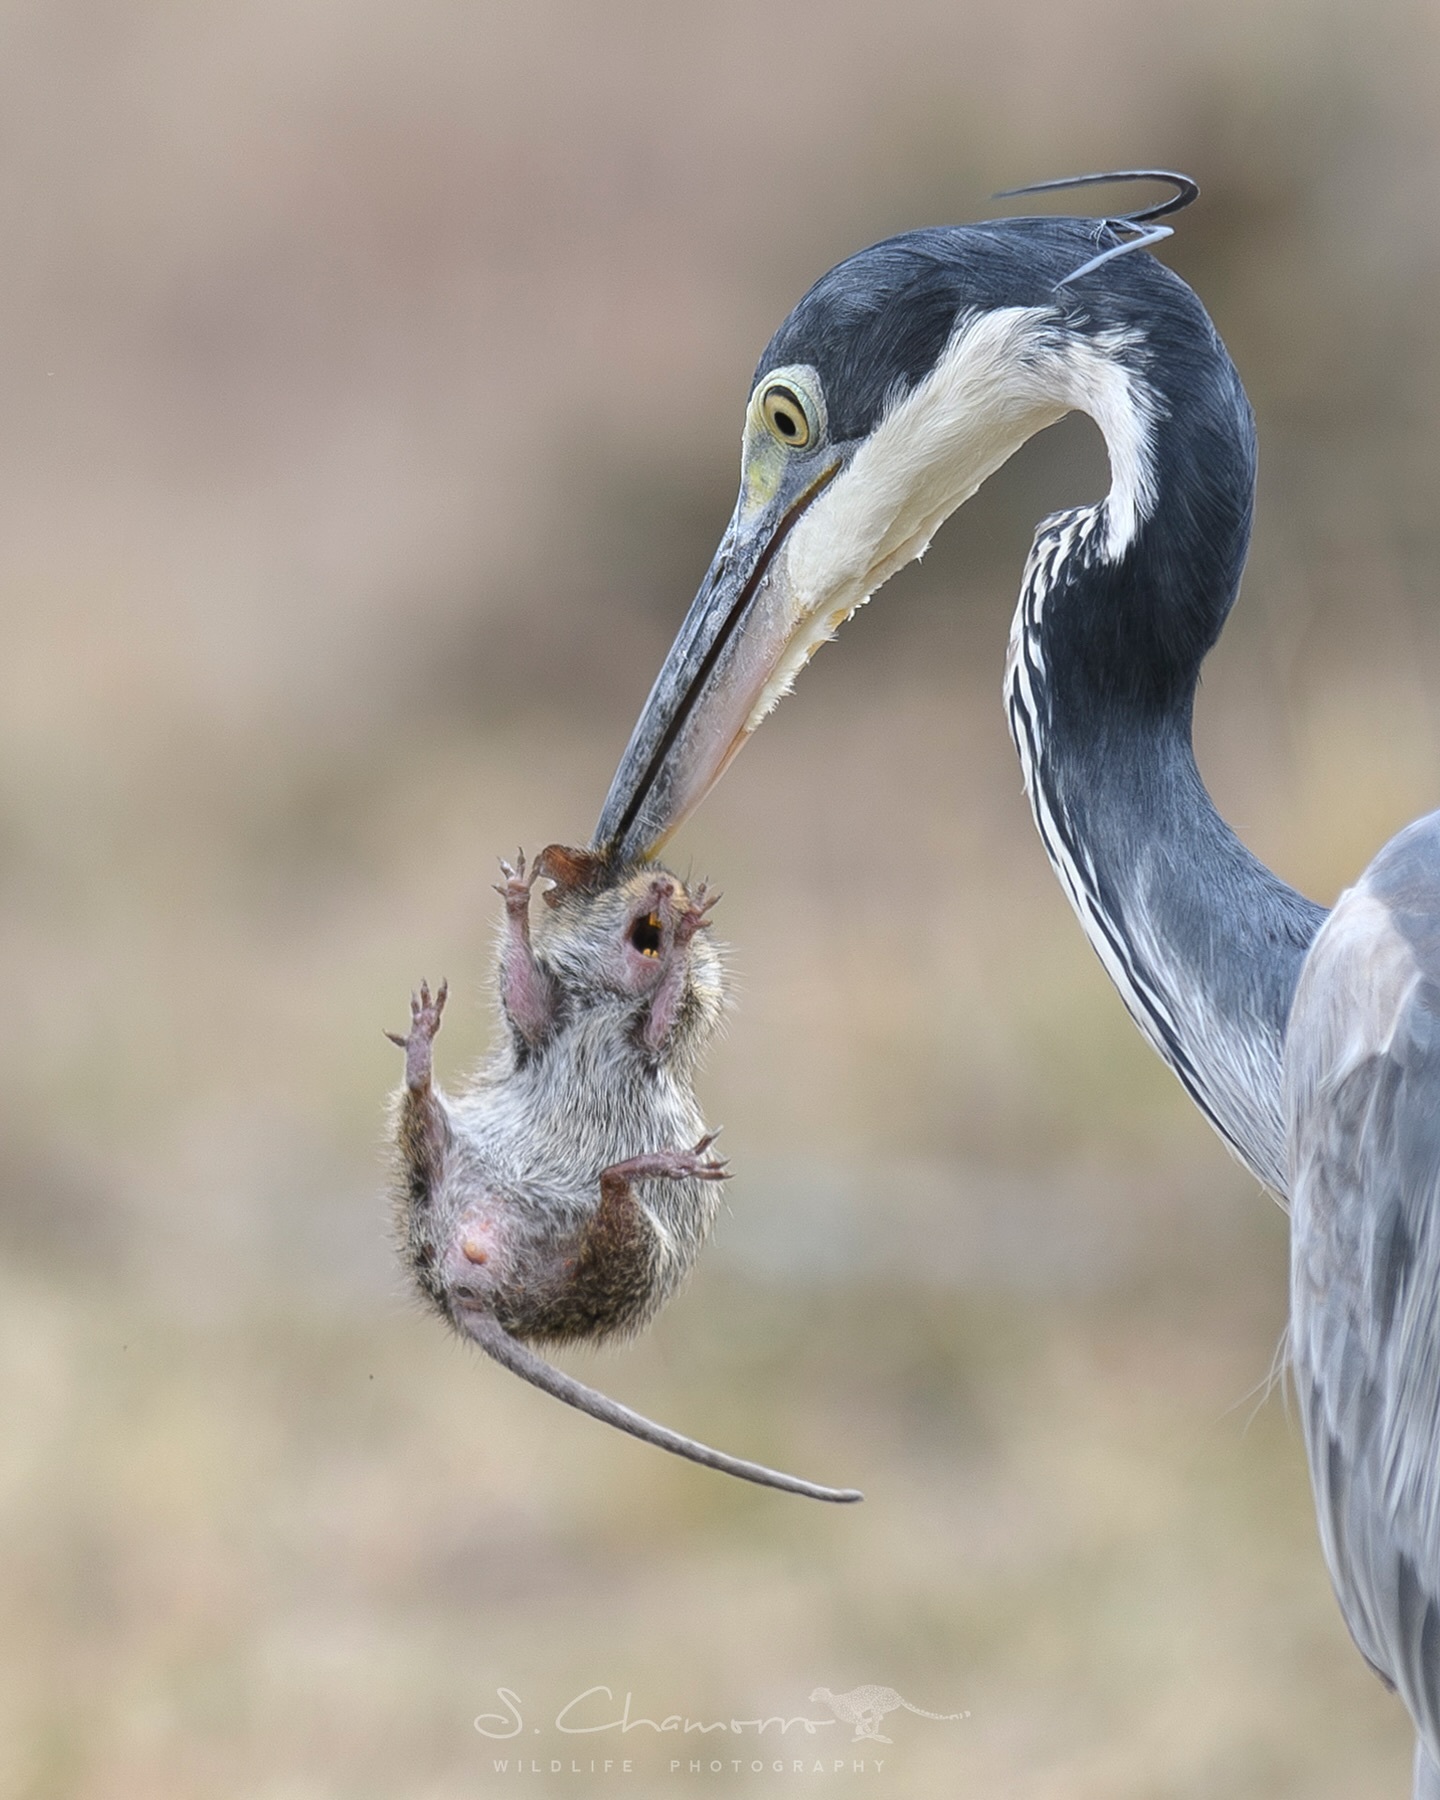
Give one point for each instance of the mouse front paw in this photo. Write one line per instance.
(424, 1023)
(695, 914)
(515, 889)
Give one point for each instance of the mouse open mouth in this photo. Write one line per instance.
(647, 934)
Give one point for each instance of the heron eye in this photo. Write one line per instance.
(784, 414)
(645, 935)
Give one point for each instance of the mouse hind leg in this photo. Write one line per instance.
(422, 1130)
(616, 1283)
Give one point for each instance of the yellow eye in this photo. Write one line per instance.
(785, 417)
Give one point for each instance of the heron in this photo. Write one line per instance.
(1310, 1040)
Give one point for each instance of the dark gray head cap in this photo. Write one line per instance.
(877, 322)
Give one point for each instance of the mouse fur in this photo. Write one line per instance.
(567, 1190)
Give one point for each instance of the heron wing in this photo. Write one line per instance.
(1362, 1101)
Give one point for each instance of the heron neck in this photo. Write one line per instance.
(1202, 940)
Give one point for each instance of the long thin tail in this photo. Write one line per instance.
(495, 1341)
(929, 1715)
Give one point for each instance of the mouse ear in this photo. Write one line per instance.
(572, 871)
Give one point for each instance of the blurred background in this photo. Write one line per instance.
(374, 377)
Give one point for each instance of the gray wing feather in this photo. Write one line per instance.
(1362, 1102)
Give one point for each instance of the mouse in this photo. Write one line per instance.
(563, 1195)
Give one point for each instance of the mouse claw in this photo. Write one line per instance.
(515, 889)
(425, 1011)
(696, 914)
(714, 1168)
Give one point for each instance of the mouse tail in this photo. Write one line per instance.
(496, 1342)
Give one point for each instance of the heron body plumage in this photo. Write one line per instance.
(1362, 1094)
(904, 378)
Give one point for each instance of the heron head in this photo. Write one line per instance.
(904, 378)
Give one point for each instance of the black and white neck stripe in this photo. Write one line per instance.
(1229, 1066)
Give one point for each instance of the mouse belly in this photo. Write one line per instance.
(594, 1280)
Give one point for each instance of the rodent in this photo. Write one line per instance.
(565, 1194)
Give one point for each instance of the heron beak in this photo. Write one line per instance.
(745, 636)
